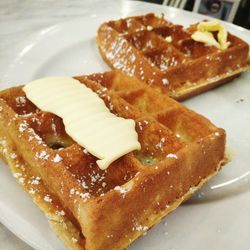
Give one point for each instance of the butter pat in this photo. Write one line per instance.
(205, 37)
(204, 34)
(86, 118)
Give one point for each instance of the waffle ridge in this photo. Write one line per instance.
(181, 67)
(107, 209)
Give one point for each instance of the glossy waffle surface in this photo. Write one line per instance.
(165, 56)
(109, 209)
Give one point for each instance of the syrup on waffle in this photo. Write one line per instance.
(94, 209)
(166, 57)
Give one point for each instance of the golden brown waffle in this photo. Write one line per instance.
(180, 66)
(94, 209)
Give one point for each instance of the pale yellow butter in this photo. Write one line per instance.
(204, 34)
(86, 118)
(169, 39)
(205, 37)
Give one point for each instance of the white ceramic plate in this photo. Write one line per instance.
(217, 217)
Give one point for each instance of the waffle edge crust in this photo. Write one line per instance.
(181, 67)
(93, 209)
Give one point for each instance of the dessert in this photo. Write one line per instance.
(96, 209)
(177, 61)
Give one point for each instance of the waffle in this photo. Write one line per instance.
(166, 57)
(94, 209)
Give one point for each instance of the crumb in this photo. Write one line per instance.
(62, 213)
(72, 191)
(84, 185)
(53, 127)
(13, 155)
(85, 151)
(20, 101)
(22, 127)
(74, 240)
(240, 100)
(110, 236)
(17, 175)
(217, 134)
(140, 228)
(85, 195)
(161, 16)
(32, 191)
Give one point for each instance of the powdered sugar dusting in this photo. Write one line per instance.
(165, 81)
(57, 158)
(20, 101)
(23, 126)
(160, 144)
(122, 190)
(35, 180)
(47, 198)
(42, 155)
(171, 156)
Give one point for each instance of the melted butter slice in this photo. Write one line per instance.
(86, 118)
(204, 34)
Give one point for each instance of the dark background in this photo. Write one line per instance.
(242, 17)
